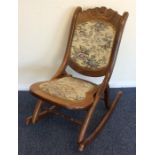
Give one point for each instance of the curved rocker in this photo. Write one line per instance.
(85, 141)
(92, 48)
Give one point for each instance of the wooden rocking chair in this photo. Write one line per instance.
(92, 48)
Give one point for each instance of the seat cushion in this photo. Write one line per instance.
(67, 88)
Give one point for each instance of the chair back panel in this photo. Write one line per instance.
(92, 44)
(93, 40)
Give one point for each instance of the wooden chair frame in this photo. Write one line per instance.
(119, 22)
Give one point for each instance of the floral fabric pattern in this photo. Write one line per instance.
(92, 44)
(68, 88)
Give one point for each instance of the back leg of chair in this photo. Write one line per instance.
(106, 97)
(36, 111)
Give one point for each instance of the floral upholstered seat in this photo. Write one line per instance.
(68, 88)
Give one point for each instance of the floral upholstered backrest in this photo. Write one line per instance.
(92, 44)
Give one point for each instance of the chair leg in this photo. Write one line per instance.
(40, 115)
(36, 111)
(85, 141)
(87, 121)
(106, 97)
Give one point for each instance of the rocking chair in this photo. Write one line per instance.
(92, 48)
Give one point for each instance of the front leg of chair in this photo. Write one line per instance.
(83, 142)
(87, 121)
(35, 114)
(36, 111)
